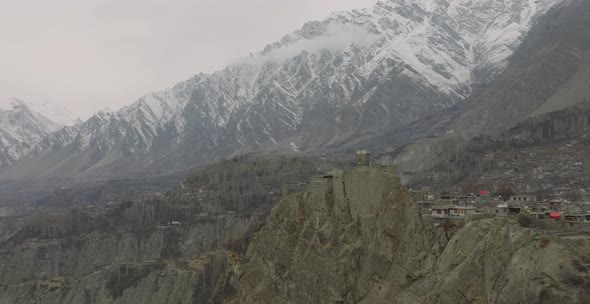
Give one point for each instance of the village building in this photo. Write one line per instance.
(577, 217)
(447, 199)
(468, 199)
(440, 212)
(522, 198)
(499, 210)
(515, 209)
(512, 208)
(461, 211)
(452, 212)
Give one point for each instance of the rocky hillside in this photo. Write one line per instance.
(357, 73)
(547, 154)
(352, 236)
(355, 237)
(548, 72)
(541, 96)
(168, 248)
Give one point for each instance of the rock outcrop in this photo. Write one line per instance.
(81, 256)
(189, 281)
(355, 237)
(165, 248)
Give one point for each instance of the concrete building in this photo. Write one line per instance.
(461, 211)
(440, 212)
(499, 210)
(468, 199)
(509, 208)
(447, 199)
(522, 198)
(577, 217)
(452, 212)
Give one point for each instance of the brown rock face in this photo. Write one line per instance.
(356, 237)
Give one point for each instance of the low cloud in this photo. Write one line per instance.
(337, 37)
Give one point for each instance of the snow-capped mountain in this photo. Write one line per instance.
(21, 128)
(355, 74)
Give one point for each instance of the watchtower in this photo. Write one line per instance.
(363, 158)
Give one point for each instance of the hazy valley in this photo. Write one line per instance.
(432, 151)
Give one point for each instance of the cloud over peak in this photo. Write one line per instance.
(336, 37)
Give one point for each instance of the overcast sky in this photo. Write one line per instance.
(91, 54)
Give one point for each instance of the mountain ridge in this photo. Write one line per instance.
(548, 72)
(22, 126)
(423, 57)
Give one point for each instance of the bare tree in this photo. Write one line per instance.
(505, 191)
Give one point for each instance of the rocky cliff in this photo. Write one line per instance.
(168, 248)
(180, 281)
(37, 259)
(356, 237)
(352, 237)
(169, 263)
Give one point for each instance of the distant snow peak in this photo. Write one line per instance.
(335, 38)
(48, 109)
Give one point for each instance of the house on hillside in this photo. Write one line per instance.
(522, 198)
(461, 211)
(452, 212)
(500, 209)
(440, 212)
(447, 199)
(468, 199)
(510, 208)
(579, 217)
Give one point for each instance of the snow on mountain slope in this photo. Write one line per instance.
(21, 128)
(354, 74)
